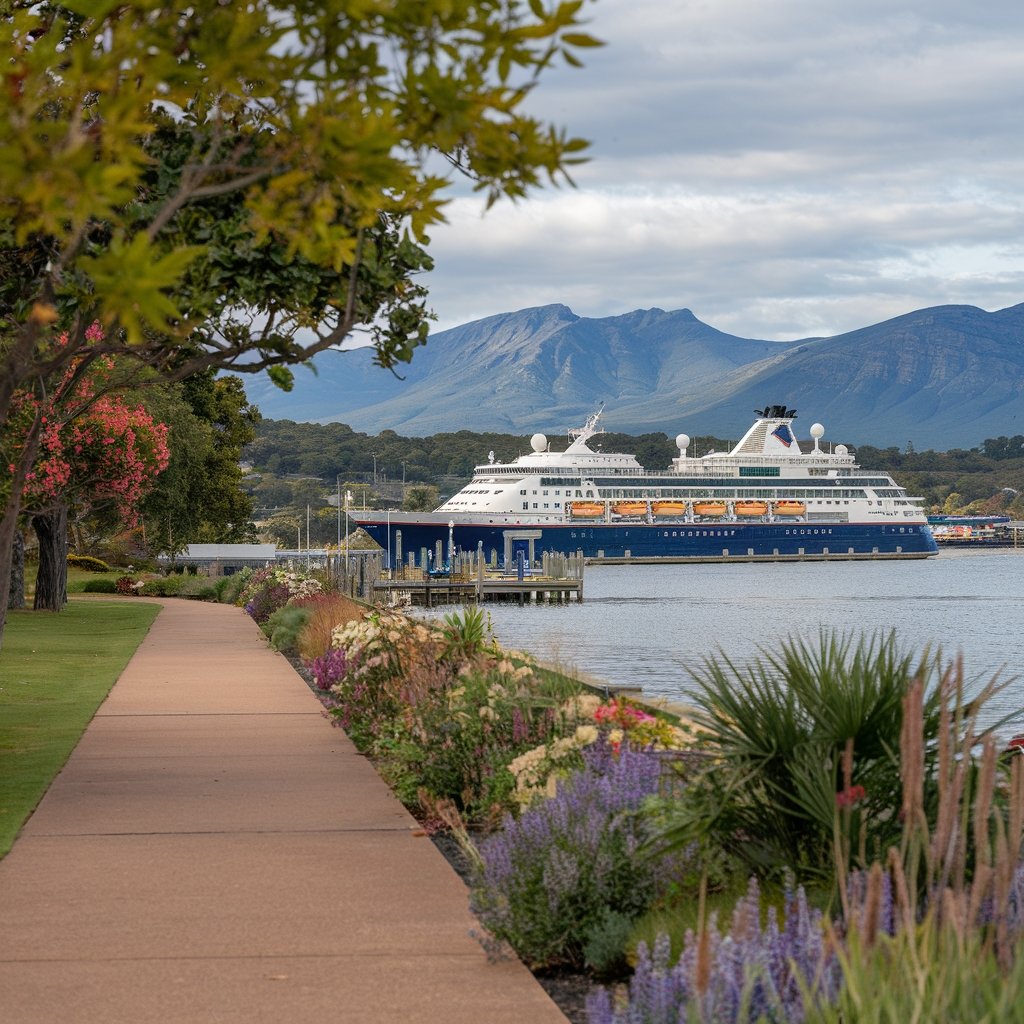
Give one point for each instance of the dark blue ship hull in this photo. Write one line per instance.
(733, 541)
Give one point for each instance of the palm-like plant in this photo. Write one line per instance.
(792, 736)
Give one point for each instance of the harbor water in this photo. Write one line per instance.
(647, 625)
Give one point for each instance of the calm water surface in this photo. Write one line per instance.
(644, 625)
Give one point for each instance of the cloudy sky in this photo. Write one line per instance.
(783, 168)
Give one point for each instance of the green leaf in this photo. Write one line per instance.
(281, 377)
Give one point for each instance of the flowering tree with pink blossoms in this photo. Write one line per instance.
(93, 449)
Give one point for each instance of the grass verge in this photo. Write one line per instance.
(55, 671)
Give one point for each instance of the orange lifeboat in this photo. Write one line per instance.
(669, 508)
(750, 508)
(630, 508)
(787, 507)
(586, 509)
(709, 508)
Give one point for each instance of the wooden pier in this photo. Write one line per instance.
(557, 580)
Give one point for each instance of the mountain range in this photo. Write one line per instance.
(943, 377)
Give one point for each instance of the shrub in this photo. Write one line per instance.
(128, 585)
(548, 880)
(284, 625)
(328, 669)
(386, 657)
(88, 563)
(269, 589)
(100, 587)
(163, 586)
(459, 734)
(228, 588)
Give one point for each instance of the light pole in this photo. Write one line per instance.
(348, 498)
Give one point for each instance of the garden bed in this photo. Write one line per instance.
(567, 989)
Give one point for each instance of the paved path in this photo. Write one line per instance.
(215, 851)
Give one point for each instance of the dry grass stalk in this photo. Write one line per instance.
(873, 904)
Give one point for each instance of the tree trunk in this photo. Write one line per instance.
(52, 580)
(9, 519)
(16, 590)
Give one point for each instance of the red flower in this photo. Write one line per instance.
(850, 797)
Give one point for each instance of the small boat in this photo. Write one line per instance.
(586, 509)
(787, 507)
(750, 508)
(669, 508)
(630, 508)
(709, 508)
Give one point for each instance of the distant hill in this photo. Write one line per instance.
(944, 377)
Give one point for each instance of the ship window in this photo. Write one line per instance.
(557, 493)
(545, 494)
(558, 504)
(535, 504)
(526, 506)
(546, 505)
(522, 492)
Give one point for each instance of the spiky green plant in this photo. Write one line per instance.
(467, 634)
(775, 735)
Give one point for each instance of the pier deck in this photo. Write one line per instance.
(460, 589)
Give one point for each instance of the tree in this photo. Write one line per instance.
(199, 498)
(107, 455)
(242, 186)
(421, 498)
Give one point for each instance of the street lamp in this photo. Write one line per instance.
(348, 498)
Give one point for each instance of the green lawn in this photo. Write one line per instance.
(55, 671)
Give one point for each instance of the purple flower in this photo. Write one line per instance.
(329, 668)
(749, 973)
(550, 877)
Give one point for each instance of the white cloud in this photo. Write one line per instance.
(788, 169)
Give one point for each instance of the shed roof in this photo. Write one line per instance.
(229, 552)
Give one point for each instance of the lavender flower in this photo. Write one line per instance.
(744, 975)
(550, 877)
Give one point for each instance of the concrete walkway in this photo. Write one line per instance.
(215, 851)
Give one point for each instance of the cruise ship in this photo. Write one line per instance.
(766, 499)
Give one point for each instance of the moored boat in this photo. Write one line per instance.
(769, 497)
